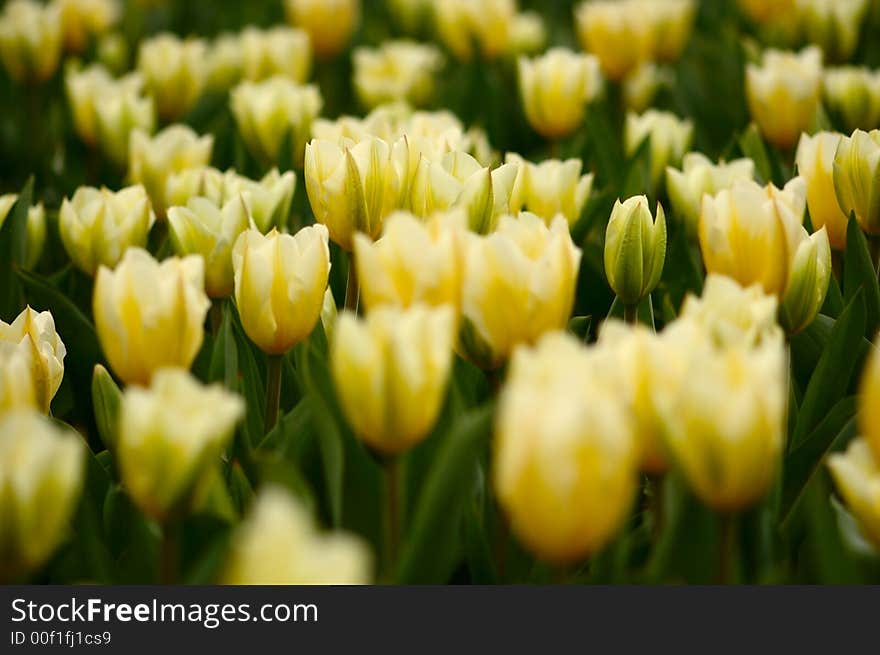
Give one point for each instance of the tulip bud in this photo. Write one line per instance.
(527, 34)
(815, 162)
(30, 40)
(564, 458)
(17, 388)
(119, 112)
(853, 94)
(275, 51)
(463, 24)
(413, 262)
(550, 187)
(82, 19)
(869, 401)
(555, 88)
(391, 372)
(279, 543)
(518, 282)
(808, 281)
(396, 71)
(833, 26)
(857, 477)
(268, 112)
(34, 333)
(635, 249)
(35, 227)
(784, 93)
(85, 88)
(329, 23)
(41, 477)
(151, 160)
(226, 57)
(280, 281)
(699, 177)
(171, 435)
(150, 315)
(857, 178)
(668, 136)
(175, 72)
(98, 225)
(616, 33)
(764, 11)
(353, 188)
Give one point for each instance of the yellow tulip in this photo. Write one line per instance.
(82, 19)
(550, 187)
(641, 85)
(226, 55)
(391, 371)
(869, 401)
(617, 33)
(86, 88)
(329, 23)
(119, 112)
(463, 24)
(150, 315)
(857, 178)
(17, 388)
(527, 34)
(857, 477)
(833, 26)
(668, 136)
(280, 281)
(175, 72)
(35, 227)
(635, 249)
(815, 162)
(34, 333)
(30, 40)
(275, 51)
(853, 94)
(396, 71)
(762, 11)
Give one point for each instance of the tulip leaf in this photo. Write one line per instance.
(13, 252)
(859, 273)
(224, 356)
(105, 401)
(252, 387)
(766, 162)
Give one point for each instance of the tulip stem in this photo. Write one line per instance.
(168, 555)
(392, 513)
(352, 287)
(216, 316)
(631, 313)
(273, 390)
(727, 549)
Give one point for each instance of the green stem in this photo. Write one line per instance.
(392, 514)
(655, 491)
(352, 287)
(728, 549)
(631, 313)
(273, 390)
(502, 535)
(169, 555)
(216, 315)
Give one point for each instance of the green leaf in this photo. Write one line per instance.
(766, 162)
(13, 252)
(251, 387)
(859, 273)
(105, 402)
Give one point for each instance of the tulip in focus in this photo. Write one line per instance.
(833, 25)
(853, 94)
(34, 334)
(17, 388)
(668, 136)
(329, 23)
(635, 249)
(175, 72)
(869, 401)
(280, 280)
(856, 475)
(150, 315)
(396, 71)
(815, 162)
(35, 227)
(30, 40)
(171, 435)
(83, 19)
(857, 178)
(550, 187)
(275, 51)
(463, 24)
(391, 372)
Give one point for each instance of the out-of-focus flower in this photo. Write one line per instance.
(150, 315)
(41, 477)
(411, 15)
(16, 378)
(486, 24)
(869, 401)
(353, 188)
(278, 543)
(555, 89)
(635, 249)
(82, 19)
(699, 177)
(85, 89)
(815, 162)
(550, 187)
(273, 110)
(527, 34)
(397, 70)
(113, 52)
(415, 261)
(763, 11)
(616, 33)
(210, 230)
(35, 227)
(171, 435)
(641, 86)
(853, 94)
(34, 334)
(280, 281)
(857, 178)
(784, 93)
(856, 474)
(151, 160)
(175, 72)
(391, 371)
(833, 25)
(98, 225)
(30, 40)
(276, 51)
(564, 458)
(226, 62)
(329, 23)
(669, 137)
(518, 283)
(672, 22)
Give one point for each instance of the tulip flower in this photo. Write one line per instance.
(869, 402)
(84, 88)
(41, 477)
(833, 26)
(175, 72)
(35, 227)
(857, 178)
(815, 162)
(641, 86)
(171, 435)
(463, 25)
(150, 315)
(763, 11)
(550, 187)
(668, 139)
(616, 33)
(83, 19)
(34, 333)
(528, 35)
(391, 372)
(275, 51)
(30, 40)
(98, 225)
(329, 23)
(226, 55)
(396, 71)
(853, 94)
(856, 474)
(17, 387)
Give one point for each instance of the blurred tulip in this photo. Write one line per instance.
(857, 178)
(762, 11)
(815, 164)
(668, 136)
(175, 72)
(635, 249)
(411, 15)
(329, 23)
(527, 34)
(397, 70)
(464, 24)
(226, 55)
(869, 401)
(34, 333)
(83, 19)
(853, 94)
(30, 40)
(617, 33)
(88, 87)
(113, 52)
(856, 474)
(833, 25)
(641, 86)
(118, 113)
(275, 51)
(550, 187)
(35, 227)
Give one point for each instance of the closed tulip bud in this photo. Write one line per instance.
(518, 283)
(815, 163)
(226, 62)
(391, 371)
(30, 40)
(641, 86)
(83, 19)
(414, 262)
(564, 458)
(699, 177)
(550, 187)
(35, 227)
(273, 110)
(353, 188)
(34, 333)
(397, 70)
(171, 436)
(279, 543)
(41, 477)
(807, 281)
(206, 229)
(784, 94)
(150, 315)
(668, 136)
(98, 225)
(857, 178)
(276, 51)
(151, 160)
(175, 72)
(832, 25)
(329, 23)
(765, 11)
(463, 24)
(118, 114)
(869, 401)
(527, 34)
(85, 89)
(555, 89)
(856, 475)
(616, 33)
(635, 249)
(853, 94)
(280, 281)
(672, 22)
(17, 388)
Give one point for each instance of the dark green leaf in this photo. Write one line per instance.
(13, 252)
(859, 273)
(105, 401)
